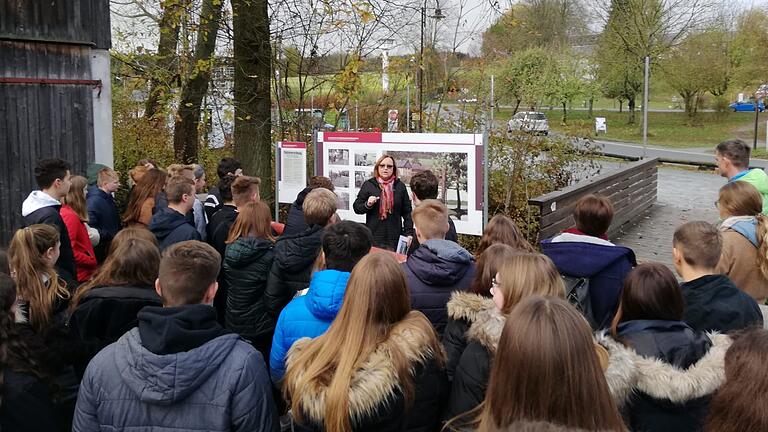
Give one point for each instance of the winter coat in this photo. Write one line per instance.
(713, 303)
(291, 271)
(246, 266)
(40, 208)
(171, 227)
(106, 313)
(665, 375)
(387, 232)
(605, 266)
(295, 223)
(213, 202)
(759, 179)
(27, 404)
(451, 235)
(375, 401)
(102, 215)
(309, 316)
(219, 226)
(179, 370)
(739, 261)
(433, 272)
(85, 257)
(463, 310)
(470, 379)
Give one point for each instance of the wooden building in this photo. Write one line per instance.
(55, 93)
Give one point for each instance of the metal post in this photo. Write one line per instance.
(277, 181)
(357, 116)
(645, 104)
(486, 167)
(493, 103)
(408, 107)
(757, 119)
(421, 67)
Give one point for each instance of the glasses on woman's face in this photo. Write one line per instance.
(387, 166)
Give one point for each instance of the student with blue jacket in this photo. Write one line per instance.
(310, 315)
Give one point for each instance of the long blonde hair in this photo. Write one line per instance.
(376, 299)
(739, 198)
(253, 220)
(75, 198)
(29, 269)
(525, 275)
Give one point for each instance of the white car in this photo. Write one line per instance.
(529, 121)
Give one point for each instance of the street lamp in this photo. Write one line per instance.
(759, 94)
(437, 16)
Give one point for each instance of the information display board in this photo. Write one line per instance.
(291, 170)
(348, 159)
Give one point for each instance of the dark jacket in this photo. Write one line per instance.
(106, 313)
(309, 316)
(246, 266)
(664, 374)
(294, 223)
(433, 272)
(161, 202)
(605, 266)
(294, 258)
(102, 215)
(450, 236)
(213, 202)
(463, 310)
(376, 403)
(171, 227)
(179, 370)
(387, 232)
(219, 226)
(470, 379)
(713, 303)
(27, 404)
(40, 208)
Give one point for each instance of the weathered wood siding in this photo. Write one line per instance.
(82, 22)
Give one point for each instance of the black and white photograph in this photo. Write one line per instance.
(339, 178)
(343, 202)
(338, 157)
(361, 177)
(365, 159)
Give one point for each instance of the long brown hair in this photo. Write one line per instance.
(546, 368)
(133, 262)
(488, 264)
(650, 291)
(502, 229)
(740, 198)
(253, 220)
(376, 299)
(525, 275)
(75, 198)
(29, 269)
(739, 404)
(148, 186)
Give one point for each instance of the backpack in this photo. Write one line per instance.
(577, 294)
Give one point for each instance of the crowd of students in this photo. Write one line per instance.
(201, 313)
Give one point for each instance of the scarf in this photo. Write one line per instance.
(387, 201)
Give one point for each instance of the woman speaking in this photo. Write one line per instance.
(384, 201)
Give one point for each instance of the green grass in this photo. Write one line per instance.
(664, 129)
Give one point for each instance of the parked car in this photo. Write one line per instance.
(529, 121)
(747, 105)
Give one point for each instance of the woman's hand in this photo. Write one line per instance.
(371, 201)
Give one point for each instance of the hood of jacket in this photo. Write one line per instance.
(487, 328)
(467, 306)
(37, 200)
(674, 342)
(757, 178)
(301, 196)
(628, 372)
(440, 262)
(375, 381)
(165, 221)
(246, 250)
(326, 293)
(748, 229)
(297, 252)
(584, 259)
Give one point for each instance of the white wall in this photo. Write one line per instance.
(102, 108)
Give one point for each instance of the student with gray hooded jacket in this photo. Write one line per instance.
(179, 369)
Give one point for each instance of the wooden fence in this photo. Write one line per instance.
(631, 189)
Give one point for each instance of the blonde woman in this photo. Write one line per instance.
(378, 367)
(520, 276)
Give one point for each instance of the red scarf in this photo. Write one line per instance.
(576, 231)
(387, 201)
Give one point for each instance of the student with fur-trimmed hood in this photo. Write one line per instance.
(520, 276)
(379, 367)
(661, 371)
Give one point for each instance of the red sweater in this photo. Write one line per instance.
(85, 258)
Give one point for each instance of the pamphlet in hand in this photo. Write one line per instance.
(402, 245)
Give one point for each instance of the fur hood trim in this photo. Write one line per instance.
(628, 372)
(487, 328)
(375, 381)
(466, 306)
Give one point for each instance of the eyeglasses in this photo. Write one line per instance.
(385, 166)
